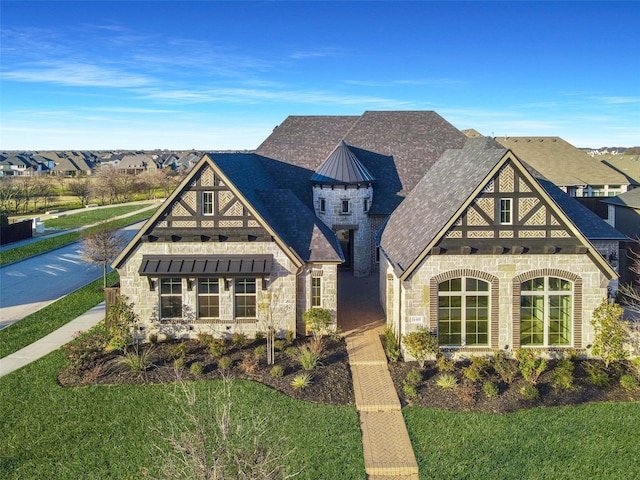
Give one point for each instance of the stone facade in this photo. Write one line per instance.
(275, 304)
(410, 304)
(355, 219)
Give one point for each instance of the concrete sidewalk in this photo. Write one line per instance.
(51, 342)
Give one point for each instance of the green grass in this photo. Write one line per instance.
(88, 217)
(53, 316)
(588, 441)
(46, 244)
(98, 432)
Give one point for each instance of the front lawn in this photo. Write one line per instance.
(97, 432)
(90, 216)
(587, 441)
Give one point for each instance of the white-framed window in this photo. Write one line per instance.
(463, 312)
(345, 207)
(170, 298)
(208, 298)
(323, 205)
(546, 312)
(506, 211)
(316, 291)
(245, 297)
(207, 203)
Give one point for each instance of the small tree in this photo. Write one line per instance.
(610, 332)
(102, 246)
(420, 344)
(317, 321)
(81, 188)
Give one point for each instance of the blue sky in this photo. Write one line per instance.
(222, 75)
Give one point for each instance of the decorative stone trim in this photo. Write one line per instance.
(494, 308)
(577, 303)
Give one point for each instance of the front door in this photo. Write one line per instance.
(345, 237)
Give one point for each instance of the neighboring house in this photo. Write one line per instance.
(70, 163)
(493, 261)
(569, 168)
(231, 250)
(624, 215)
(626, 164)
(19, 165)
(187, 161)
(136, 164)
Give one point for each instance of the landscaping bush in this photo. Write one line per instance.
(317, 321)
(490, 389)
(307, 357)
(225, 363)
(153, 338)
(610, 332)
(447, 381)
(563, 375)
(289, 336)
(84, 350)
(628, 382)
(277, 371)
(218, 347)
(290, 352)
(301, 381)
(196, 369)
(421, 344)
(391, 348)
(410, 391)
(238, 340)
(260, 351)
(279, 345)
(530, 391)
(444, 364)
(530, 366)
(504, 368)
(120, 320)
(472, 373)
(179, 363)
(249, 364)
(138, 360)
(205, 339)
(597, 375)
(179, 350)
(414, 377)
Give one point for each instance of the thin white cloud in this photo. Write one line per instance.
(414, 82)
(612, 100)
(77, 75)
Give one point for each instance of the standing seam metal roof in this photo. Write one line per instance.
(342, 167)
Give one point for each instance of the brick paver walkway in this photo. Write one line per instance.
(388, 453)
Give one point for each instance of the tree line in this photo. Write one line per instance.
(33, 194)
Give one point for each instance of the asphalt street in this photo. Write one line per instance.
(32, 284)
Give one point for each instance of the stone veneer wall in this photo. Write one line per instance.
(416, 294)
(357, 219)
(281, 285)
(329, 291)
(376, 224)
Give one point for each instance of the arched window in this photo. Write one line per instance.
(463, 312)
(546, 312)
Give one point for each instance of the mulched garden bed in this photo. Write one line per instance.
(331, 380)
(469, 396)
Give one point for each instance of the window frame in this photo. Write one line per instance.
(505, 209)
(347, 210)
(237, 295)
(171, 282)
(322, 205)
(208, 295)
(546, 294)
(205, 202)
(316, 292)
(465, 294)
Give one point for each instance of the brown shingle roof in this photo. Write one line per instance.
(561, 162)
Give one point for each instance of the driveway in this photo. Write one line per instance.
(34, 283)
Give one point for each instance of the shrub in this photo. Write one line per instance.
(490, 389)
(289, 336)
(504, 368)
(205, 339)
(447, 381)
(196, 369)
(467, 392)
(317, 321)
(307, 357)
(444, 364)
(610, 332)
(635, 365)
(259, 337)
(391, 348)
(279, 345)
(629, 382)
(530, 391)
(249, 364)
(530, 366)
(179, 350)
(410, 391)
(596, 374)
(179, 363)
(563, 375)
(136, 360)
(414, 377)
(120, 320)
(238, 340)
(472, 373)
(260, 351)
(83, 351)
(153, 338)
(316, 345)
(420, 344)
(225, 363)
(290, 352)
(218, 347)
(572, 355)
(301, 381)
(336, 333)
(277, 371)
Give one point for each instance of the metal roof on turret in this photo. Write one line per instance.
(342, 167)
